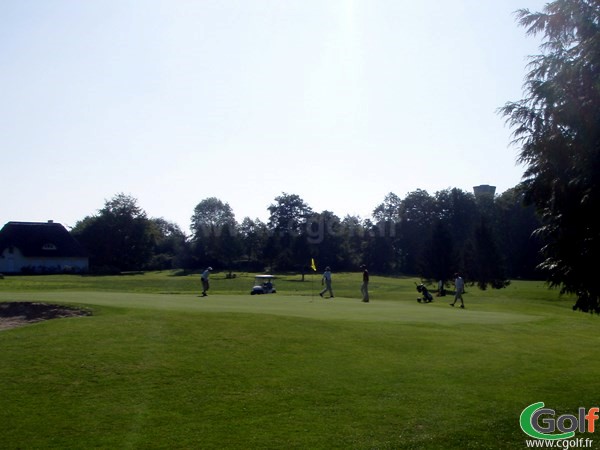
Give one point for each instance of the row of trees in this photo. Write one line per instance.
(488, 238)
(557, 127)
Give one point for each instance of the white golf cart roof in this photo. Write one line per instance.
(264, 277)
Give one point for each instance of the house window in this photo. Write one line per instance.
(49, 247)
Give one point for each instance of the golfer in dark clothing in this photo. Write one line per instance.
(365, 285)
(205, 284)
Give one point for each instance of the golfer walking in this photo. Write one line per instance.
(205, 284)
(326, 280)
(459, 284)
(365, 284)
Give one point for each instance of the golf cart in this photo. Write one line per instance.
(263, 284)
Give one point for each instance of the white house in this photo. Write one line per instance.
(40, 247)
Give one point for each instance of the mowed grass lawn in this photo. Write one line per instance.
(157, 366)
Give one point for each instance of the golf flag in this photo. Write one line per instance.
(312, 264)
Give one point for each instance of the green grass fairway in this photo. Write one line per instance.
(157, 366)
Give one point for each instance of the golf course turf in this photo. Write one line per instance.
(157, 366)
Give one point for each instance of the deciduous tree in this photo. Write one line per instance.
(120, 237)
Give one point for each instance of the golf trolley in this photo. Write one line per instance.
(426, 296)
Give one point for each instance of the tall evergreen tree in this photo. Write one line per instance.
(557, 126)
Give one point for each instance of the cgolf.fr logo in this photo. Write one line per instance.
(540, 423)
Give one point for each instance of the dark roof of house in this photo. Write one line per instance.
(35, 239)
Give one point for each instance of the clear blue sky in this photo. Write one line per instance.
(174, 101)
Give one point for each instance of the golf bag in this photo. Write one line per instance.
(426, 296)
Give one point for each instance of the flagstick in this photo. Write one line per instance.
(312, 279)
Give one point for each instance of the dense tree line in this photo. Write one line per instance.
(548, 223)
(488, 238)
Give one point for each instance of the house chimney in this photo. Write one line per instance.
(51, 221)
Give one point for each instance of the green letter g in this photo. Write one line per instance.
(526, 422)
